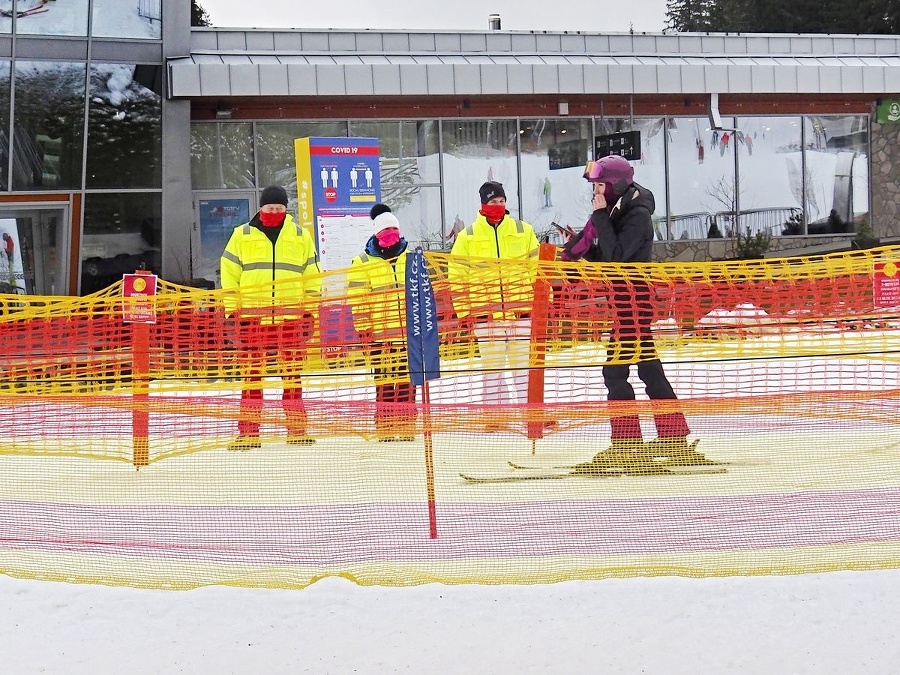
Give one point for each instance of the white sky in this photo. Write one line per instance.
(593, 16)
(827, 624)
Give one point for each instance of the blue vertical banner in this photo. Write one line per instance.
(422, 342)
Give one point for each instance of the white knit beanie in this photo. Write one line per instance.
(385, 220)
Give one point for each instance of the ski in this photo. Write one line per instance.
(514, 477)
(557, 474)
(662, 464)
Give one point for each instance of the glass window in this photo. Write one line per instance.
(135, 19)
(48, 136)
(275, 148)
(40, 17)
(222, 155)
(121, 234)
(476, 151)
(650, 169)
(124, 130)
(770, 172)
(702, 198)
(408, 149)
(554, 192)
(837, 168)
(418, 209)
(4, 124)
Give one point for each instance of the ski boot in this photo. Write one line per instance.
(676, 450)
(243, 442)
(624, 455)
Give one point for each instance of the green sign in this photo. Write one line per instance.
(888, 112)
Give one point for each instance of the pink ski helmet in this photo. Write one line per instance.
(613, 171)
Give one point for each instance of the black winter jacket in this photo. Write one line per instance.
(622, 234)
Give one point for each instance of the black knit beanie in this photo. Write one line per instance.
(274, 194)
(491, 190)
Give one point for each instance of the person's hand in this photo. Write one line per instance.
(567, 232)
(599, 201)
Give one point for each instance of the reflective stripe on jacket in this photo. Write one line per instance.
(376, 290)
(251, 263)
(486, 288)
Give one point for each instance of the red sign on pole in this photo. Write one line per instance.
(139, 291)
(886, 284)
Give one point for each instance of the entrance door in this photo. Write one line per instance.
(35, 250)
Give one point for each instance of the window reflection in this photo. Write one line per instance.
(135, 19)
(121, 234)
(770, 167)
(408, 149)
(837, 165)
(48, 129)
(419, 213)
(40, 17)
(124, 130)
(32, 251)
(222, 156)
(702, 196)
(4, 124)
(476, 151)
(650, 169)
(409, 161)
(554, 193)
(778, 175)
(275, 148)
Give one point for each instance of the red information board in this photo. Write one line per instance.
(139, 289)
(887, 284)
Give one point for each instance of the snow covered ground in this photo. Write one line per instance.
(841, 623)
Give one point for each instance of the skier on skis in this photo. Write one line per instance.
(620, 230)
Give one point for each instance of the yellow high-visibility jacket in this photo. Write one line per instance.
(494, 288)
(276, 281)
(376, 286)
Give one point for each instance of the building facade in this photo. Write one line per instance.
(133, 140)
(83, 149)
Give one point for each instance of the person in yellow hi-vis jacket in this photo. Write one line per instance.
(496, 298)
(271, 262)
(376, 284)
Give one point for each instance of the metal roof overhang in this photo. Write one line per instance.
(202, 75)
(869, 65)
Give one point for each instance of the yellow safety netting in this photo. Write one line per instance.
(786, 372)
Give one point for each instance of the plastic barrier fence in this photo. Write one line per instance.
(114, 433)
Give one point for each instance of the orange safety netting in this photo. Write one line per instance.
(786, 372)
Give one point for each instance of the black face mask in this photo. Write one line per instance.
(393, 251)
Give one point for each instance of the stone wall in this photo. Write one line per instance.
(699, 250)
(885, 180)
